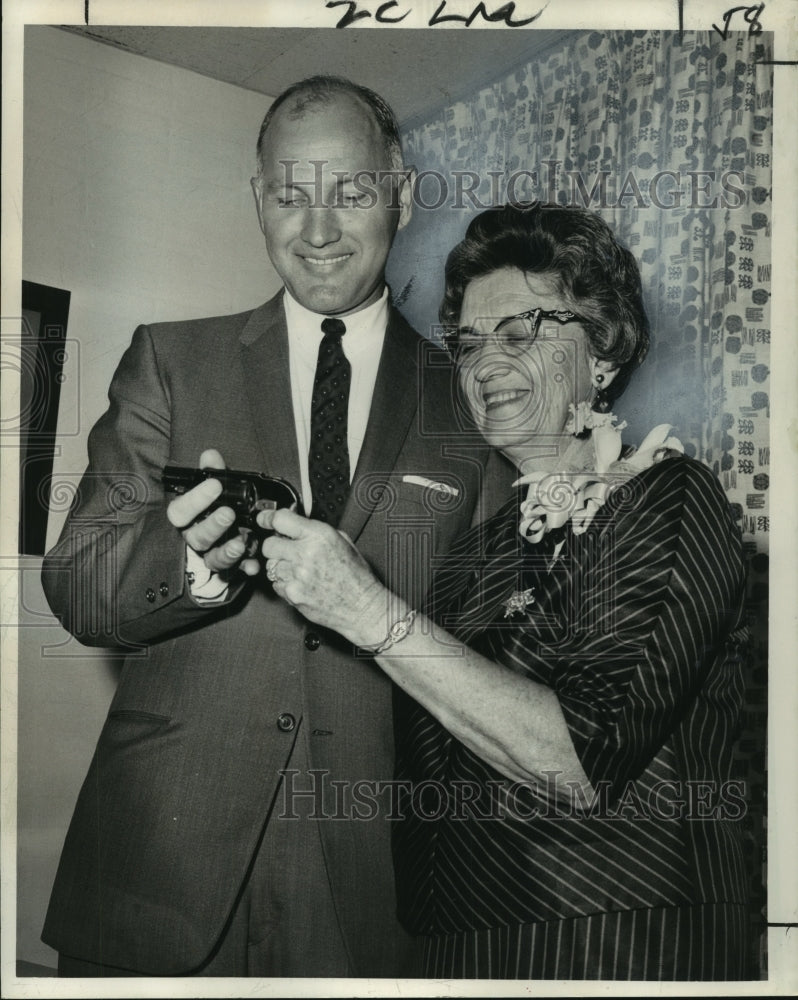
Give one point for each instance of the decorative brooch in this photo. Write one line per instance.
(519, 601)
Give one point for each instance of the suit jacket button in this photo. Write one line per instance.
(149, 593)
(286, 722)
(312, 641)
(163, 590)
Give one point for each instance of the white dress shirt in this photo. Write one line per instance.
(362, 344)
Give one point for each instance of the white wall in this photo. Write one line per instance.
(136, 200)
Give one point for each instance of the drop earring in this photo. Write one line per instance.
(601, 400)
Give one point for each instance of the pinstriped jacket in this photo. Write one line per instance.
(637, 628)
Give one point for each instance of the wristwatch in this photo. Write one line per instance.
(400, 628)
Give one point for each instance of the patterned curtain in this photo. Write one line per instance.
(622, 122)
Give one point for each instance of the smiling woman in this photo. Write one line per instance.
(579, 669)
(519, 377)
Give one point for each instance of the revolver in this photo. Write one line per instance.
(247, 493)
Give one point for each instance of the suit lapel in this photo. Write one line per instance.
(264, 357)
(393, 408)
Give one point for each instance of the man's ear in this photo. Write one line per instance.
(256, 183)
(407, 184)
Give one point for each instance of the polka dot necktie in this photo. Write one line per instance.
(328, 459)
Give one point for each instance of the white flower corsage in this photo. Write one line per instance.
(592, 470)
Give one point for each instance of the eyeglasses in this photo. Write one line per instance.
(513, 334)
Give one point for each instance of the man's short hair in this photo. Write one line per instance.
(323, 89)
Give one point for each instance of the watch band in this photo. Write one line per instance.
(400, 628)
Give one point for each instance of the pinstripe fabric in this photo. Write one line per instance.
(667, 943)
(636, 628)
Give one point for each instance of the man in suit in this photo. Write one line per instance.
(220, 830)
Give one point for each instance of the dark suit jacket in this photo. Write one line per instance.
(186, 768)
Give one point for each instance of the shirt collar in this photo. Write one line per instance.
(305, 325)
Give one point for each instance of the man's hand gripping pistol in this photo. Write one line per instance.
(246, 493)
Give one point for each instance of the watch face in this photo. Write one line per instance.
(400, 629)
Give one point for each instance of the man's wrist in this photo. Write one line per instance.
(205, 586)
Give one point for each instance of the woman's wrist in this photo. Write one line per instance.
(381, 610)
(400, 629)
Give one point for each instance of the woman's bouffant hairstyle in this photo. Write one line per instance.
(598, 277)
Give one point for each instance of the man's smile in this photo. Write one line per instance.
(325, 261)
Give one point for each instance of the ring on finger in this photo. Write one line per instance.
(271, 573)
